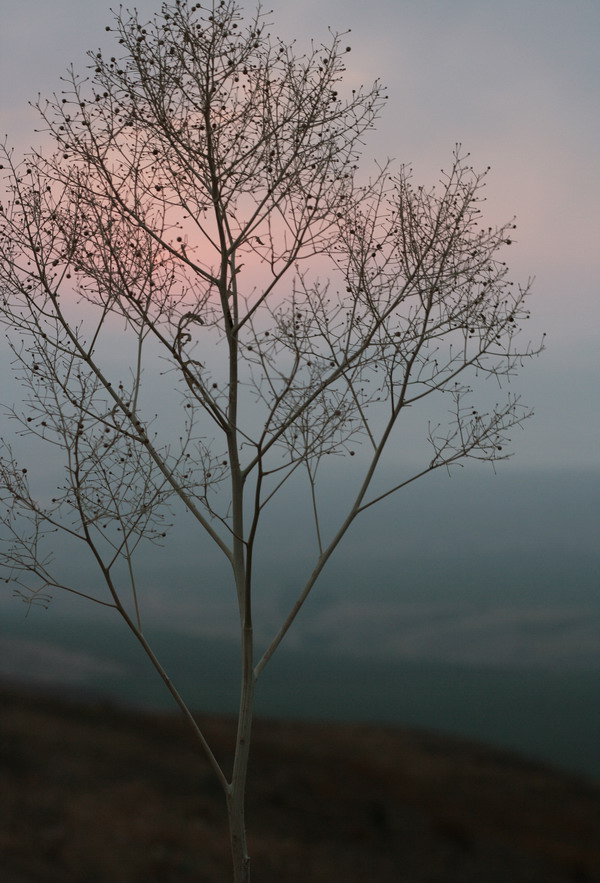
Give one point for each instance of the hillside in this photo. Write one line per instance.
(91, 793)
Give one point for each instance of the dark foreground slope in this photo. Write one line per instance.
(93, 794)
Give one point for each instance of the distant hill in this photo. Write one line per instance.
(93, 793)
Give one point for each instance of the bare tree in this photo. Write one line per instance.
(201, 184)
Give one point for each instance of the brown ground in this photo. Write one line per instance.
(94, 794)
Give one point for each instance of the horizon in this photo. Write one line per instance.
(475, 570)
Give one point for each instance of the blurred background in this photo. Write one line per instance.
(470, 602)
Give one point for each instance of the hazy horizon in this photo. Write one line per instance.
(475, 572)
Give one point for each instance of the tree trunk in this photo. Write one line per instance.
(237, 834)
(236, 796)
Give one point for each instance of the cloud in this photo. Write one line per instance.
(43, 662)
(556, 638)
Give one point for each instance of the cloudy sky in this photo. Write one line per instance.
(517, 83)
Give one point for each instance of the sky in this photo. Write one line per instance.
(518, 84)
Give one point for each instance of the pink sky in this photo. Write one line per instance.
(517, 83)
